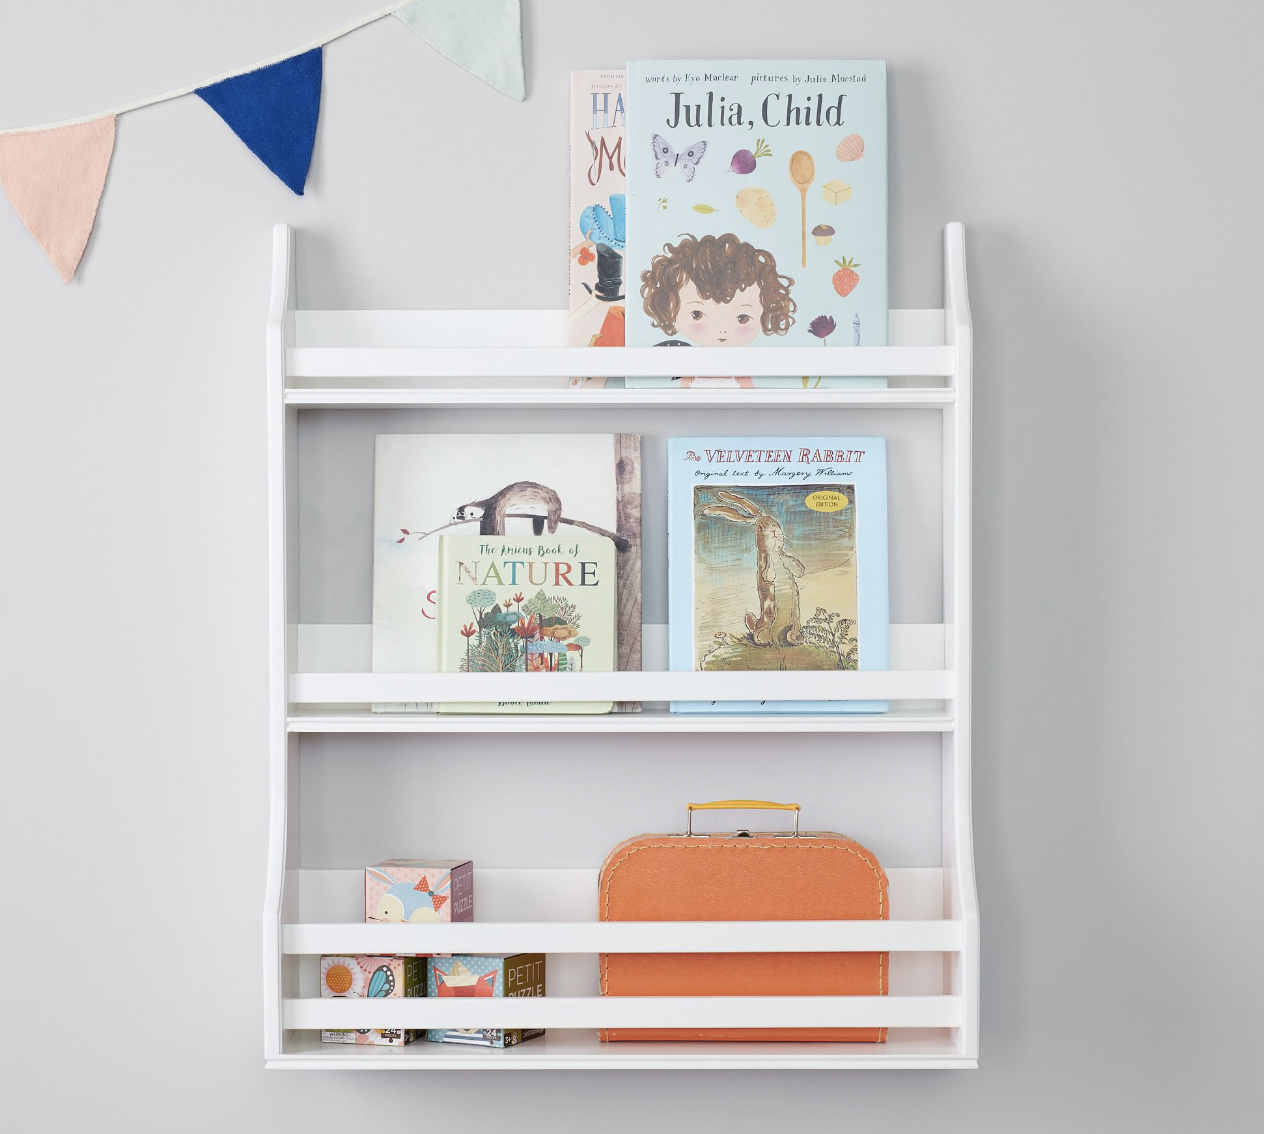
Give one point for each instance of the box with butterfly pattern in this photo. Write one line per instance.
(372, 977)
(419, 890)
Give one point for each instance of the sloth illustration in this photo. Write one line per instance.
(541, 502)
(778, 592)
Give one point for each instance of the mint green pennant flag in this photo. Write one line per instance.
(483, 36)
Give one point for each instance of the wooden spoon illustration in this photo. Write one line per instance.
(803, 173)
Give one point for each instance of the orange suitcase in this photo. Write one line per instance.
(743, 876)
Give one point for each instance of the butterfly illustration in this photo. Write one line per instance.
(382, 982)
(687, 162)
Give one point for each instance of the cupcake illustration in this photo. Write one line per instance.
(824, 233)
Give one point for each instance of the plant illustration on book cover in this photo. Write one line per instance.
(597, 220)
(769, 570)
(553, 489)
(731, 167)
(523, 605)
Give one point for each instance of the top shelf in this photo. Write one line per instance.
(381, 359)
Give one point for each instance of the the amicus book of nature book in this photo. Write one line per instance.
(777, 560)
(548, 486)
(526, 604)
(757, 208)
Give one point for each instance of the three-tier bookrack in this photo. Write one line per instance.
(320, 682)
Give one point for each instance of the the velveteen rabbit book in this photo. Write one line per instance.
(538, 486)
(526, 604)
(777, 560)
(597, 211)
(757, 208)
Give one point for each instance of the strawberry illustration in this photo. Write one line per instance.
(846, 278)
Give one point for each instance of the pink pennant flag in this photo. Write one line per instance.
(54, 180)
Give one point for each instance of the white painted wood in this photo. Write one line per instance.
(574, 1050)
(469, 396)
(542, 328)
(627, 937)
(912, 716)
(325, 647)
(961, 901)
(555, 911)
(631, 686)
(624, 1012)
(419, 359)
(280, 336)
(567, 894)
(521, 362)
(333, 648)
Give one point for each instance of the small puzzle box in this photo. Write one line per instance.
(419, 890)
(366, 977)
(518, 974)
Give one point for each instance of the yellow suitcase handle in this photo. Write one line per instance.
(741, 805)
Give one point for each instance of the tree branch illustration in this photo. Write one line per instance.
(620, 543)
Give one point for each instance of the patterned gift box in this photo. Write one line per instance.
(518, 974)
(372, 977)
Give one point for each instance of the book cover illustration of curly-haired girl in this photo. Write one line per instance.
(757, 209)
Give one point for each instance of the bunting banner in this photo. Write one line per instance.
(54, 178)
(274, 111)
(54, 174)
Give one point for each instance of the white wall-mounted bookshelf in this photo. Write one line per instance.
(321, 683)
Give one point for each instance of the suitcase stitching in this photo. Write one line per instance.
(605, 957)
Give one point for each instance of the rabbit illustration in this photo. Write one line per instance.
(777, 623)
(406, 901)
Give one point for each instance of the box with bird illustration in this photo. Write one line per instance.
(419, 890)
(372, 977)
(519, 974)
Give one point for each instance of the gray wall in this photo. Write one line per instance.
(1101, 155)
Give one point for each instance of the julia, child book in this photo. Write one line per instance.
(757, 208)
(777, 560)
(521, 604)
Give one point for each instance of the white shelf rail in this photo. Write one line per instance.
(627, 1012)
(379, 360)
(863, 685)
(626, 937)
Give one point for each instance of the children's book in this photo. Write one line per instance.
(547, 486)
(777, 560)
(526, 604)
(757, 208)
(596, 213)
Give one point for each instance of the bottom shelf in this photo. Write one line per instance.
(908, 1049)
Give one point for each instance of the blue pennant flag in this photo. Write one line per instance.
(274, 111)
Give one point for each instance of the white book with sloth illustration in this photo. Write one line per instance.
(777, 560)
(553, 486)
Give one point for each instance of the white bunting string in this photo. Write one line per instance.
(372, 17)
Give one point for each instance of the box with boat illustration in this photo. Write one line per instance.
(519, 974)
